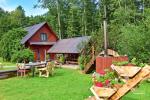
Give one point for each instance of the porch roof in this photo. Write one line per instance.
(71, 45)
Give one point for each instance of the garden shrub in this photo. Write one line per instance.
(10, 42)
(137, 62)
(22, 55)
(81, 62)
(62, 59)
(120, 63)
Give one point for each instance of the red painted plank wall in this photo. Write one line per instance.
(45, 29)
(105, 62)
(41, 48)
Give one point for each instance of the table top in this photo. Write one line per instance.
(128, 71)
(103, 92)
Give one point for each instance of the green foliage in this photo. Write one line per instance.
(22, 55)
(122, 63)
(81, 62)
(76, 18)
(110, 75)
(101, 79)
(148, 80)
(134, 61)
(137, 63)
(113, 82)
(62, 59)
(10, 43)
(135, 45)
(17, 17)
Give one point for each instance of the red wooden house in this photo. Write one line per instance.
(40, 39)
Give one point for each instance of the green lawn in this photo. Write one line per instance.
(66, 84)
(7, 68)
(5, 63)
(141, 93)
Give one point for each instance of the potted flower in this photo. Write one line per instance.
(100, 81)
(115, 83)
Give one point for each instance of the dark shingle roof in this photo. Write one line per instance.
(31, 30)
(71, 45)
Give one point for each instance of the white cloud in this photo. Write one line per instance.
(3, 4)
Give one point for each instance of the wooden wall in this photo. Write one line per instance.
(41, 48)
(45, 29)
(105, 62)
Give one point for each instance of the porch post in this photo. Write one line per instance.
(45, 54)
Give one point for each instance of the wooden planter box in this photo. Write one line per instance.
(105, 62)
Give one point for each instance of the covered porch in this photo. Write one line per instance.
(70, 48)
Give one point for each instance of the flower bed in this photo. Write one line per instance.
(106, 79)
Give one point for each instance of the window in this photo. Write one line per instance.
(43, 37)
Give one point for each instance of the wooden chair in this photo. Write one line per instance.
(48, 70)
(21, 69)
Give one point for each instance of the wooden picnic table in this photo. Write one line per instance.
(33, 65)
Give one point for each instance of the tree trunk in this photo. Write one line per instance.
(58, 18)
(85, 26)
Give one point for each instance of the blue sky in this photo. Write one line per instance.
(27, 5)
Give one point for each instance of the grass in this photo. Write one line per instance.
(5, 63)
(66, 84)
(7, 68)
(141, 93)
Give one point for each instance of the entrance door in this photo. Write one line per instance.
(36, 54)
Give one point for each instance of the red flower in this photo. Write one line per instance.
(99, 84)
(107, 82)
(102, 72)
